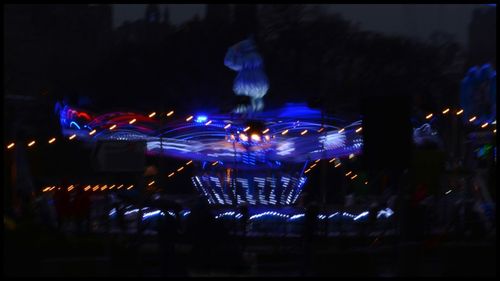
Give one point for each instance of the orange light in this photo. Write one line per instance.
(267, 137)
(321, 129)
(341, 131)
(255, 137)
(484, 125)
(348, 173)
(317, 161)
(46, 189)
(151, 183)
(171, 174)
(312, 166)
(353, 177)
(111, 187)
(31, 143)
(331, 160)
(227, 126)
(71, 187)
(152, 114)
(189, 118)
(359, 129)
(208, 123)
(180, 169)
(92, 132)
(189, 162)
(72, 137)
(120, 186)
(303, 132)
(265, 131)
(112, 127)
(460, 111)
(170, 113)
(215, 163)
(337, 165)
(429, 116)
(104, 187)
(95, 188)
(284, 132)
(246, 129)
(130, 187)
(52, 140)
(446, 110)
(87, 188)
(132, 121)
(366, 182)
(243, 137)
(10, 145)
(472, 119)
(307, 171)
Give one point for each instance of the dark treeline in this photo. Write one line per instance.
(309, 55)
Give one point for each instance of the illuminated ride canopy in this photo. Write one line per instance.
(258, 161)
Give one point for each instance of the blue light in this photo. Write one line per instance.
(201, 119)
(74, 123)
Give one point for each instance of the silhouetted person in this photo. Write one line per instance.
(82, 210)
(61, 202)
(310, 226)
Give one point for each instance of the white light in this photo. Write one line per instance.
(152, 114)
(255, 137)
(448, 192)
(227, 126)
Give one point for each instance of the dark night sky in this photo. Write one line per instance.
(417, 21)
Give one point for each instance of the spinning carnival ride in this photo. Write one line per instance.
(258, 161)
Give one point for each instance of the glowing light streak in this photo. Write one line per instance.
(74, 123)
(31, 143)
(448, 192)
(227, 126)
(351, 155)
(111, 187)
(267, 137)
(72, 137)
(112, 127)
(337, 165)
(460, 112)
(341, 131)
(104, 187)
(180, 169)
(321, 129)
(429, 116)
(170, 113)
(132, 121)
(120, 186)
(52, 140)
(317, 161)
(151, 183)
(46, 189)
(472, 119)
(152, 114)
(446, 110)
(208, 123)
(303, 132)
(307, 171)
(348, 173)
(243, 137)
(353, 177)
(87, 188)
(71, 187)
(10, 145)
(359, 129)
(484, 125)
(92, 132)
(215, 163)
(312, 166)
(171, 174)
(189, 162)
(130, 187)
(284, 132)
(95, 188)
(189, 118)
(265, 131)
(331, 160)
(255, 137)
